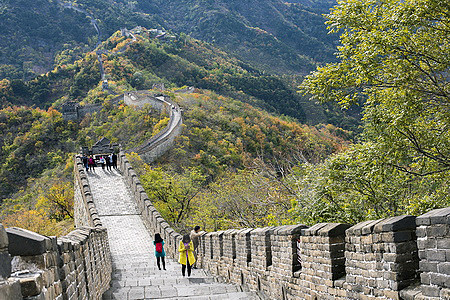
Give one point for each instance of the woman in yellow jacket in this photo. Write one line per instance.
(187, 258)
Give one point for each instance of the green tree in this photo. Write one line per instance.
(396, 56)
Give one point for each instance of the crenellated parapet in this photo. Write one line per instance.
(75, 266)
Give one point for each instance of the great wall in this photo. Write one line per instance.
(402, 257)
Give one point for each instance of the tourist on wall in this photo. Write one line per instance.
(85, 162)
(159, 251)
(187, 259)
(102, 162)
(114, 160)
(91, 163)
(111, 160)
(108, 163)
(195, 234)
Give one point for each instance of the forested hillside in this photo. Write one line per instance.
(34, 32)
(276, 36)
(271, 34)
(177, 62)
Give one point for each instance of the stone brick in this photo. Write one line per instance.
(5, 265)
(441, 280)
(438, 230)
(437, 216)
(426, 266)
(398, 223)
(430, 291)
(24, 242)
(443, 243)
(31, 285)
(443, 268)
(436, 255)
(10, 290)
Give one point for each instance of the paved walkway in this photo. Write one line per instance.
(135, 274)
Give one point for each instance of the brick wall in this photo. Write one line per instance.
(75, 266)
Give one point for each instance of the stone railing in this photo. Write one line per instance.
(75, 266)
(85, 213)
(380, 259)
(400, 257)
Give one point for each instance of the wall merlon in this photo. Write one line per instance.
(289, 230)
(437, 216)
(332, 230)
(398, 223)
(26, 243)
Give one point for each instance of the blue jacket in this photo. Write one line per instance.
(160, 254)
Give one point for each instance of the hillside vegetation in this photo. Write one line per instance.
(222, 171)
(277, 36)
(179, 62)
(224, 134)
(272, 34)
(395, 55)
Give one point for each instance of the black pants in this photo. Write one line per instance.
(163, 262)
(183, 269)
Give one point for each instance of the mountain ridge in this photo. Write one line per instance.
(255, 41)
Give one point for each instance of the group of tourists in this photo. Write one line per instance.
(188, 251)
(108, 161)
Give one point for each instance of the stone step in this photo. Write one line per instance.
(212, 291)
(157, 274)
(132, 281)
(230, 296)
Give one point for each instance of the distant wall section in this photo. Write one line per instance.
(159, 144)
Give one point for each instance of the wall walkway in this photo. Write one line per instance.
(135, 274)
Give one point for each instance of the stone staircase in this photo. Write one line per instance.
(135, 273)
(140, 279)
